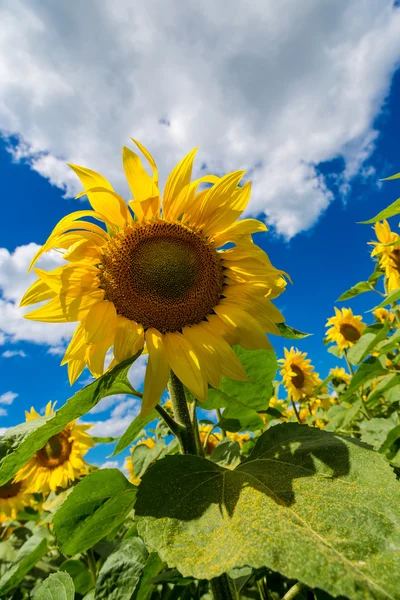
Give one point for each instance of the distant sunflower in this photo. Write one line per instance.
(209, 438)
(240, 438)
(60, 461)
(150, 443)
(161, 279)
(383, 314)
(299, 377)
(13, 499)
(388, 256)
(346, 328)
(339, 375)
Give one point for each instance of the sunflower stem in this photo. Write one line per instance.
(296, 412)
(193, 416)
(92, 563)
(185, 432)
(294, 590)
(360, 396)
(219, 415)
(223, 588)
(169, 421)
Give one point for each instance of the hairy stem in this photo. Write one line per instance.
(185, 433)
(219, 415)
(294, 590)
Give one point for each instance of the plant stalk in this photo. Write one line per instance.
(294, 590)
(219, 415)
(223, 588)
(185, 433)
(296, 412)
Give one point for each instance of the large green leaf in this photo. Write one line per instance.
(386, 213)
(20, 443)
(359, 288)
(133, 431)
(290, 332)
(309, 504)
(370, 337)
(121, 572)
(27, 557)
(387, 383)
(374, 431)
(243, 398)
(93, 509)
(393, 297)
(369, 369)
(81, 576)
(145, 587)
(58, 586)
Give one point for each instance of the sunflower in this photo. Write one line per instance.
(13, 499)
(209, 438)
(339, 375)
(240, 438)
(150, 443)
(60, 460)
(162, 278)
(346, 328)
(383, 314)
(299, 377)
(388, 256)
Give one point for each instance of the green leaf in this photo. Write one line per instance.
(81, 576)
(306, 503)
(121, 572)
(142, 457)
(386, 213)
(376, 275)
(27, 556)
(384, 385)
(145, 587)
(104, 440)
(243, 398)
(133, 431)
(374, 431)
(359, 288)
(20, 443)
(392, 343)
(94, 508)
(226, 453)
(369, 369)
(397, 176)
(335, 350)
(58, 586)
(290, 332)
(388, 300)
(340, 415)
(392, 437)
(370, 337)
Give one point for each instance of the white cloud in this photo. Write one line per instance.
(111, 464)
(56, 350)
(3, 412)
(14, 281)
(107, 403)
(3, 430)
(137, 372)
(273, 87)
(12, 353)
(121, 417)
(8, 398)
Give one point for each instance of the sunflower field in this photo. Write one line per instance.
(248, 475)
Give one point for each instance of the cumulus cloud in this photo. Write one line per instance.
(276, 88)
(8, 398)
(14, 281)
(124, 410)
(12, 353)
(111, 464)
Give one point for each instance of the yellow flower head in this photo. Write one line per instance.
(299, 377)
(209, 437)
(161, 279)
(340, 374)
(13, 499)
(383, 314)
(346, 328)
(60, 461)
(240, 438)
(150, 443)
(388, 256)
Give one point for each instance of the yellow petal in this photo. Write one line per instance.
(77, 345)
(208, 354)
(142, 186)
(95, 356)
(129, 338)
(186, 364)
(38, 292)
(157, 371)
(178, 179)
(187, 202)
(64, 309)
(108, 203)
(82, 250)
(250, 334)
(238, 229)
(230, 211)
(218, 196)
(71, 277)
(101, 322)
(230, 364)
(151, 160)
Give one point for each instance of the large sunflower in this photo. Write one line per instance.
(388, 256)
(13, 499)
(346, 328)
(299, 377)
(160, 278)
(60, 460)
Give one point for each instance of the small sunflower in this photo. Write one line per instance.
(299, 377)
(346, 328)
(13, 499)
(209, 438)
(150, 443)
(240, 438)
(383, 314)
(388, 256)
(339, 375)
(161, 279)
(60, 461)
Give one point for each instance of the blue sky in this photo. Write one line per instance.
(316, 129)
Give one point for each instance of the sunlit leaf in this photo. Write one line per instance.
(359, 288)
(386, 213)
(290, 332)
(133, 431)
(121, 572)
(58, 586)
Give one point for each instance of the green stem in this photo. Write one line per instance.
(193, 417)
(169, 421)
(364, 404)
(294, 590)
(296, 412)
(223, 588)
(349, 365)
(396, 314)
(185, 433)
(219, 415)
(92, 563)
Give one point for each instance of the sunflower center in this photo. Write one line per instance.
(349, 332)
(10, 489)
(162, 275)
(56, 451)
(298, 379)
(395, 256)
